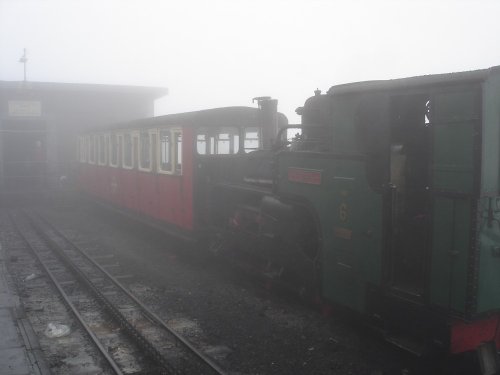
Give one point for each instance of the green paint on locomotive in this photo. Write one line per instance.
(488, 226)
(449, 254)
(372, 229)
(348, 210)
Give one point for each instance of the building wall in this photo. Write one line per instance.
(63, 111)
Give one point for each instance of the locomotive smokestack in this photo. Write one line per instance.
(269, 120)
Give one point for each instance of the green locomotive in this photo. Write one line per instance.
(388, 201)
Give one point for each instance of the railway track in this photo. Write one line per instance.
(139, 342)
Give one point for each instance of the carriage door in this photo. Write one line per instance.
(409, 198)
(456, 145)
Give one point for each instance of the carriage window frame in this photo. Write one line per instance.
(79, 148)
(130, 165)
(209, 141)
(86, 148)
(119, 137)
(204, 142)
(177, 137)
(159, 152)
(214, 140)
(252, 129)
(175, 151)
(92, 149)
(102, 149)
(149, 134)
(82, 151)
(232, 140)
(113, 152)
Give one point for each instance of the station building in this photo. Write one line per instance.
(39, 122)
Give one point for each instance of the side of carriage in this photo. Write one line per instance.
(159, 169)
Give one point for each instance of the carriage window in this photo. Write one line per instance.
(79, 149)
(205, 141)
(201, 144)
(127, 151)
(82, 151)
(85, 149)
(212, 146)
(228, 141)
(145, 151)
(102, 149)
(218, 141)
(113, 150)
(252, 139)
(165, 151)
(223, 143)
(92, 149)
(178, 151)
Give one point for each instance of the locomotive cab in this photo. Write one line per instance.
(404, 187)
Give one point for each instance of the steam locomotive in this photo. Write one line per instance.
(384, 200)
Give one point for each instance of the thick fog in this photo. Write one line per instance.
(218, 53)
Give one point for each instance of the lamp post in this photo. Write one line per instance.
(24, 60)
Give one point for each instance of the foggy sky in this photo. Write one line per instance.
(218, 53)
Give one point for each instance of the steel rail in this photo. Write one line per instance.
(138, 337)
(111, 362)
(155, 318)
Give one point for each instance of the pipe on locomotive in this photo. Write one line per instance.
(269, 119)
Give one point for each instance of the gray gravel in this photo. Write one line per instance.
(244, 327)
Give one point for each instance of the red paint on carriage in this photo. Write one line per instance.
(165, 197)
(141, 171)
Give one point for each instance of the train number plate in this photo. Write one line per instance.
(304, 176)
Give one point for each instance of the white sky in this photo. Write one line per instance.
(225, 52)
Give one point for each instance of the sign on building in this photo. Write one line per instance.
(25, 108)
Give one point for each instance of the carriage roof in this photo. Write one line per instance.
(225, 116)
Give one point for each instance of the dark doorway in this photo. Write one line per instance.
(24, 155)
(409, 194)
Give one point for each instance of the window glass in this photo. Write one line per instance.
(102, 149)
(223, 143)
(218, 141)
(252, 139)
(145, 148)
(81, 149)
(227, 141)
(92, 150)
(235, 143)
(201, 144)
(119, 140)
(113, 153)
(85, 149)
(178, 152)
(165, 154)
(212, 145)
(127, 151)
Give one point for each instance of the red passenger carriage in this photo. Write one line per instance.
(161, 168)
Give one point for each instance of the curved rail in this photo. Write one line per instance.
(213, 366)
(137, 336)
